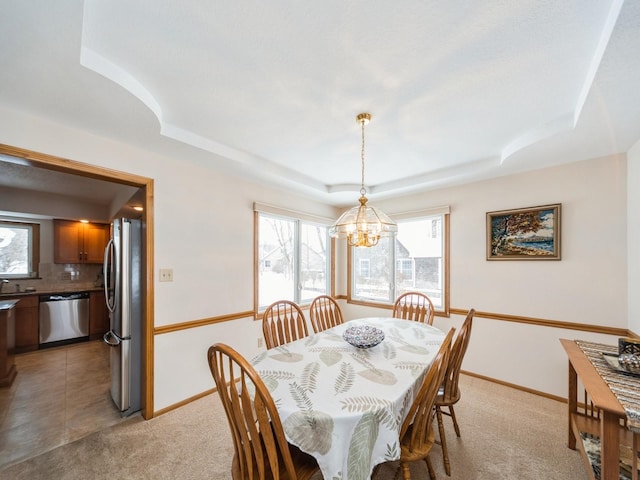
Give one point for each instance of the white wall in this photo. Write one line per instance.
(587, 286)
(633, 237)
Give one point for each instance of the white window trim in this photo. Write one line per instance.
(290, 214)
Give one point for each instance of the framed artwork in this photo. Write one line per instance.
(524, 234)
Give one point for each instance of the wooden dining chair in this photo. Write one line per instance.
(416, 434)
(283, 322)
(325, 313)
(261, 449)
(449, 393)
(414, 306)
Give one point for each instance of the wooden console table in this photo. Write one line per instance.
(604, 419)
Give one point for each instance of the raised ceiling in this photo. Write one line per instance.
(458, 90)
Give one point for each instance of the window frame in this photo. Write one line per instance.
(299, 220)
(34, 249)
(444, 311)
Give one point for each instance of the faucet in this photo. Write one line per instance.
(2, 282)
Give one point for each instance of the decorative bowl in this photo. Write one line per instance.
(628, 345)
(629, 362)
(363, 336)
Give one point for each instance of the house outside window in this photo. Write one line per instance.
(365, 268)
(412, 261)
(19, 249)
(293, 259)
(436, 227)
(405, 270)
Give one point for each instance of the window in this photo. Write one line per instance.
(435, 227)
(365, 268)
(19, 249)
(405, 269)
(415, 260)
(293, 259)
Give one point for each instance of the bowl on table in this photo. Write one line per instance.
(628, 345)
(363, 336)
(629, 363)
(629, 354)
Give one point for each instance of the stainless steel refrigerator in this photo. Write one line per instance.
(122, 285)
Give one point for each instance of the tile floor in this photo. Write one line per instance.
(59, 395)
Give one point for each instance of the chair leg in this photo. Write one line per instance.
(455, 422)
(432, 474)
(406, 473)
(443, 442)
(634, 452)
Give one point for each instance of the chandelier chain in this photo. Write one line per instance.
(362, 189)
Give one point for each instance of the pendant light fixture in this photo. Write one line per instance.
(363, 225)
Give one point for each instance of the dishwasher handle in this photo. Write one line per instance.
(63, 296)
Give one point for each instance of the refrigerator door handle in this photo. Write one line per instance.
(108, 269)
(111, 340)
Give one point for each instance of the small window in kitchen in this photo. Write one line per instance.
(19, 249)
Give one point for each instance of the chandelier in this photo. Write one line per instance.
(363, 225)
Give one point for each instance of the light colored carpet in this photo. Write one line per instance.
(506, 434)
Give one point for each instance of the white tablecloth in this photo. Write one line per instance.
(345, 405)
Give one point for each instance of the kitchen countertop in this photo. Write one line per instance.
(50, 291)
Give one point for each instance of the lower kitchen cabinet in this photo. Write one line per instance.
(7, 338)
(26, 321)
(98, 315)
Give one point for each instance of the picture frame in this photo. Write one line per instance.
(531, 233)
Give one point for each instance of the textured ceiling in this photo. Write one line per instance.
(458, 90)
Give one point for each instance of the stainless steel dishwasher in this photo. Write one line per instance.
(64, 316)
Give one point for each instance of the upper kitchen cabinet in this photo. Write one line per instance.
(77, 242)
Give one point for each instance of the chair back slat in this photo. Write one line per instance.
(324, 313)
(283, 322)
(414, 306)
(458, 349)
(261, 449)
(420, 414)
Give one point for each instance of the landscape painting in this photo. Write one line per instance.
(524, 234)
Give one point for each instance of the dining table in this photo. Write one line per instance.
(345, 405)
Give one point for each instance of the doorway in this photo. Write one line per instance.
(145, 186)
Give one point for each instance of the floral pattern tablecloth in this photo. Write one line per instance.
(345, 405)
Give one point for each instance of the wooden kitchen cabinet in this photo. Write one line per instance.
(98, 315)
(77, 242)
(26, 323)
(7, 341)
